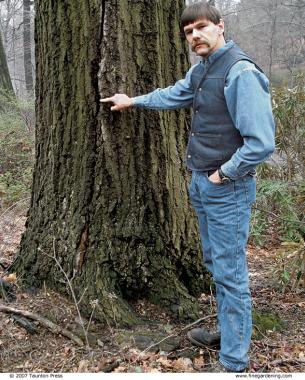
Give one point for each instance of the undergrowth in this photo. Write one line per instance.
(16, 150)
(280, 208)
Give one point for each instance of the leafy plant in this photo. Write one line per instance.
(290, 272)
(16, 150)
(281, 185)
(280, 204)
(289, 112)
(279, 209)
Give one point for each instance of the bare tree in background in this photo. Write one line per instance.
(5, 79)
(17, 29)
(272, 31)
(27, 46)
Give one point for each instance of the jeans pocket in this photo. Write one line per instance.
(221, 184)
(215, 184)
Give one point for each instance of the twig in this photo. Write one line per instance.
(12, 206)
(287, 361)
(278, 217)
(72, 293)
(81, 297)
(272, 345)
(56, 329)
(198, 321)
(258, 329)
(93, 304)
(172, 335)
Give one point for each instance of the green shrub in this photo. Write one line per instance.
(280, 206)
(281, 184)
(279, 210)
(16, 150)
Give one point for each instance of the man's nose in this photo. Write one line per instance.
(196, 33)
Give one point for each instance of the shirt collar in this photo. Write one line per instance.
(216, 54)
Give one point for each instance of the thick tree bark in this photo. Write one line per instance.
(27, 46)
(5, 79)
(110, 189)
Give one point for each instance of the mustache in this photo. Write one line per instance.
(200, 43)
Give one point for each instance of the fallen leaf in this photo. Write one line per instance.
(165, 362)
(182, 364)
(100, 343)
(10, 278)
(22, 296)
(199, 362)
(67, 350)
(83, 366)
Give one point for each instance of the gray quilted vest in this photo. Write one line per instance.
(213, 137)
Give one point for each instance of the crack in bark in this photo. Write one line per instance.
(82, 249)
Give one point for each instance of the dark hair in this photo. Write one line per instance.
(199, 10)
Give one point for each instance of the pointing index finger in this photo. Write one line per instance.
(105, 100)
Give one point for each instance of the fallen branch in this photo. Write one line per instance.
(30, 327)
(56, 329)
(286, 361)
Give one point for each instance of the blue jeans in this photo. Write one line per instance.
(223, 212)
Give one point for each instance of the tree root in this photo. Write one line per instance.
(171, 294)
(56, 329)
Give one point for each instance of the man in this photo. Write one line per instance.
(232, 131)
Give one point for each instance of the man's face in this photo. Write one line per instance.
(204, 36)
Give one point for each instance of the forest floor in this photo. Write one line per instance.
(278, 343)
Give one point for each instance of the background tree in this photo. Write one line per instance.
(271, 31)
(16, 25)
(27, 46)
(5, 79)
(109, 197)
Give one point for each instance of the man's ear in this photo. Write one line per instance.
(221, 27)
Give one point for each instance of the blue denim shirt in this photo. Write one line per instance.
(248, 99)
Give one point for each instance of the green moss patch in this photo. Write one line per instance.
(266, 321)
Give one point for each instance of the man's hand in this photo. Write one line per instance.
(215, 177)
(120, 102)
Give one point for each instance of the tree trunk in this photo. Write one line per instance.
(109, 193)
(27, 46)
(5, 79)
